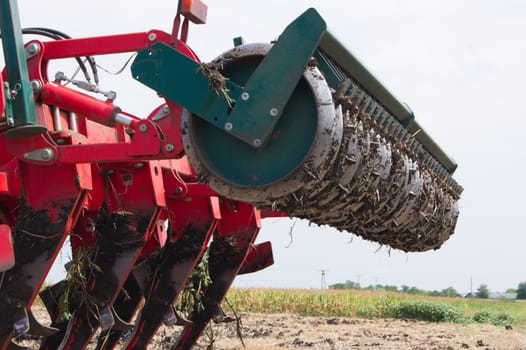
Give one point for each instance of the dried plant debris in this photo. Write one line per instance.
(217, 81)
(191, 298)
(75, 285)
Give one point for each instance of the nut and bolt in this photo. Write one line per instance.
(274, 112)
(245, 96)
(152, 36)
(178, 190)
(47, 154)
(143, 128)
(228, 126)
(36, 85)
(169, 147)
(32, 49)
(257, 142)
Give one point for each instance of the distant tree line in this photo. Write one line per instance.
(482, 292)
(521, 291)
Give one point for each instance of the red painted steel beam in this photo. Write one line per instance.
(103, 45)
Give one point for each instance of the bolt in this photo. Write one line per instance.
(110, 172)
(274, 112)
(166, 109)
(138, 165)
(257, 142)
(33, 49)
(178, 190)
(36, 85)
(152, 37)
(245, 96)
(143, 128)
(47, 154)
(228, 126)
(169, 147)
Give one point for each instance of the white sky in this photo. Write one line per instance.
(458, 64)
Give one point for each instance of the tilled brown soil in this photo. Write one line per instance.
(284, 331)
(280, 331)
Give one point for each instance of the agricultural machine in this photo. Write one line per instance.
(297, 127)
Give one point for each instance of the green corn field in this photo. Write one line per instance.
(379, 304)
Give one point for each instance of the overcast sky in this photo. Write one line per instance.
(458, 64)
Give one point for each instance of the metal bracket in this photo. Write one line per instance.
(269, 88)
(179, 78)
(40, 155)
(8, 105)
(259, 105)
(161, 113)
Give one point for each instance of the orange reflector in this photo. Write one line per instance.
(7, 253)
(194, 10)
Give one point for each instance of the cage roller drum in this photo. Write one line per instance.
(336, 157)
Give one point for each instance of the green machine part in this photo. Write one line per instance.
(248, 113)
(20, 104)
(307, 129)
(257, 146)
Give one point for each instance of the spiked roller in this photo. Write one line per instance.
(343, 152)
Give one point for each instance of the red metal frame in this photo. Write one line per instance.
(148, 145)
(138, 168)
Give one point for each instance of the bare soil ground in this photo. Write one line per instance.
(283, 331)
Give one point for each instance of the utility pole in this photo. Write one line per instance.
(323, 280)
(471, 285)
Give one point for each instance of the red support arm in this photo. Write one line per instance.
(103, 45)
